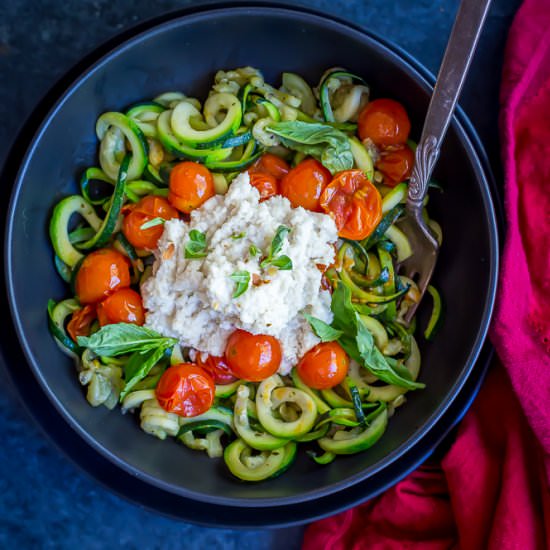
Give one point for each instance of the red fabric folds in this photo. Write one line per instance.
(491, 489)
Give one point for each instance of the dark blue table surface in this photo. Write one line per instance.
(45, 501)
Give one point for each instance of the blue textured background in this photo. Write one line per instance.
(45, 501)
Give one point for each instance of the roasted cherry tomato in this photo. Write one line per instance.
(217, 368)
(324, 366)
(185, 389)
(266, 184)
(123, 306)
(385, 122)
(100, 274)
(353, 203)
(303, 185)
(191, 184)
(396, 164)
(80, 322)
(144, 211)
(272, 165)
(252, 357)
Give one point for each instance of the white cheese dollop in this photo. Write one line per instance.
(191, 299)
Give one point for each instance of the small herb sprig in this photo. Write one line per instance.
(152, 223)
(273, 259)
(242, 281)
(196, 247)
(282, 262)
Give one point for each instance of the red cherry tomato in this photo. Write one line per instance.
(396, 164)
(266, 184)
(186, 390)
(353, 203)
(385, 122)
(303, 185)
(324, 366)
(217, 368)
(123, 306)
(252, 357)
(272, 165)
(191, 184)
(145, 210)
(80, 322)
(101, 273)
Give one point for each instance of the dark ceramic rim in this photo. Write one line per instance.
(408, 66)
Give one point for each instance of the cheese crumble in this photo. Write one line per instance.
(192, 299)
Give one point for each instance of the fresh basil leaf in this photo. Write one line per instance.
(122, 338)
(237, 236)
(375, 362)
(242, 280)
(327, 144)
(152, 223)
(282, 263)
(139, 365)
(276, 243)
(196, 247)
(323, 330)
(253, 250)
(275, 247)
(343, 310)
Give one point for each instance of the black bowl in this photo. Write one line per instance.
(184, 54)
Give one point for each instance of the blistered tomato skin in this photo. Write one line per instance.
(81, 321)
(354, 204)
(100, 274)
(191, 185)
(123, 306)
(252, 357)
(186, 390)
(147, 209)
(271, 164)
(217, 368)
(385, 122)
(266, 185)
(304, 184)
(396, 164)
(324, 366)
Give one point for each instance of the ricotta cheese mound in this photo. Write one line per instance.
(192, 299)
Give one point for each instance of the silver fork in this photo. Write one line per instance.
(452, 73)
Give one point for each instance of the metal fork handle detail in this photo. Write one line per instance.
(452, 73)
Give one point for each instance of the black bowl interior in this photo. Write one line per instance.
(183, 55)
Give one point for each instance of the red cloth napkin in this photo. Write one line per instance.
(491, 489)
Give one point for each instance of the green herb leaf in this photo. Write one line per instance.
(237, 236)
(253, 250)
(282, 263)
(196, 247)
(242, 280)
(139, 365)
(323, 330)
(122, 338)
(327, 144)
(152, 223)
(379, 365)
(358, 342)
(278, 239)
(342, 309)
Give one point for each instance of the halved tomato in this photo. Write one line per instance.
(354, 204)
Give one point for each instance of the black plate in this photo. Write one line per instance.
(145, 65)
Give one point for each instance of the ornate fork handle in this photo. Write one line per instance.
(426, 156)
(456, 61)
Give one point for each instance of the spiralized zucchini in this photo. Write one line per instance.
(256, 427)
